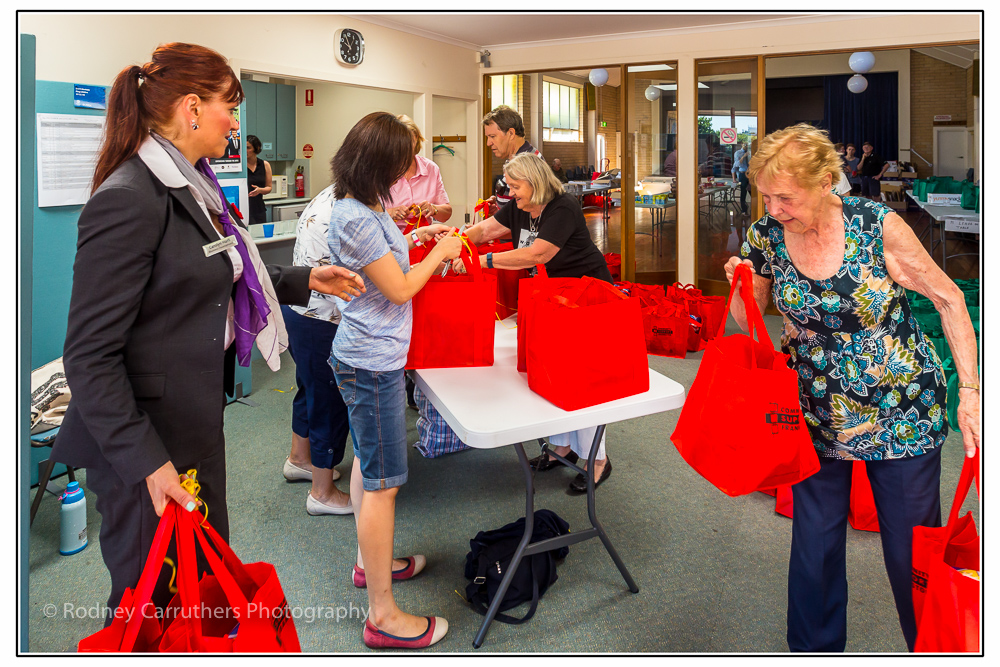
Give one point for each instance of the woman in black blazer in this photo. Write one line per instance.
(156, 301)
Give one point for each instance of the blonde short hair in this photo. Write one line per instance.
(414, 130)
(801, 151)
(533, 169)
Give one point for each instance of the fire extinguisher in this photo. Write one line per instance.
(300, 183)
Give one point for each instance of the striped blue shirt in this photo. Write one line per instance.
(374, 333)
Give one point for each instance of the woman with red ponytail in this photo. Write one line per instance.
(168, 293)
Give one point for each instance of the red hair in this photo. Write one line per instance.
(174, 71)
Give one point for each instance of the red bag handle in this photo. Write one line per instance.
(541, 272)
(472, 266)
(150, 573)
(187, 574)
(743, 276)
(970, 472)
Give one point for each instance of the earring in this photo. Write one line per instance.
(194, 125)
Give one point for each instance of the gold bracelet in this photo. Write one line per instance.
(968, 385)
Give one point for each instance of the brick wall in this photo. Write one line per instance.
(642, 117)
(609, 109)
(936, 88)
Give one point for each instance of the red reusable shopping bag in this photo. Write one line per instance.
(945, 600)
(417, 254)
(237, 609)
(564, 365)
(135, 627)
(862, 514)
(741, 426)
(665, 326)
(691, 297)
(507, 280)
(614, 262)
(453, 319)
(713, 314)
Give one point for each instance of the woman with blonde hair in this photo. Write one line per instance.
(548, 227)
(870, 382)
(421, 187)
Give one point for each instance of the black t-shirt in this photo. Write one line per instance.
(562, 224)
(873, 164)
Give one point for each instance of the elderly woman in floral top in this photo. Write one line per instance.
(870, 382)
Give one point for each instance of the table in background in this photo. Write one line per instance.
(659, 213)
(935, 216)
(491, 407)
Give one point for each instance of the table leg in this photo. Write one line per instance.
(529, 526)
(592, 512)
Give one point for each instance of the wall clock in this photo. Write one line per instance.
(349, 45)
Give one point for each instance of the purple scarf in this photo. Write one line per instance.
(250, 309)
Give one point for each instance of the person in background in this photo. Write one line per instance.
(558, 171)
(871, 384)
(504, 132)
(550, 229)
(421, 189)
(741, 162)
(319, 415)
(851, 167)
(258, 180)
(154, 332)
(368, 355)
(871, 168)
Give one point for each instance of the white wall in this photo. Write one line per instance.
(93, 48)
(450, 116)
(336, 108)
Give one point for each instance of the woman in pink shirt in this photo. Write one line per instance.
(420, 186)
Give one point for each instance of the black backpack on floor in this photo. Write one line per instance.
(492, 550)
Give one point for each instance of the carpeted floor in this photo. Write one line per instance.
(711, 569)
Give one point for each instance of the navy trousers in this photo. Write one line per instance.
(907, 494)
(318, 410)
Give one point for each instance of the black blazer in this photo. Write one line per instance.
(147, 320)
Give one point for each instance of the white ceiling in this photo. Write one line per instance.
(510, 30)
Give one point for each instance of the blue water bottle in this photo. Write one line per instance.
(72, 520)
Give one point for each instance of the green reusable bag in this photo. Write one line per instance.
(970, 196)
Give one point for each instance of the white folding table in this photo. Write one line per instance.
(490, 407)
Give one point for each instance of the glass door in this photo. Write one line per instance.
(727, 137)
(650, 171)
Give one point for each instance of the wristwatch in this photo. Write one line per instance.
(489, 260)
(416, 239)
(435, 211)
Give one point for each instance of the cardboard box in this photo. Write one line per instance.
(892, 195)
(908, 174)
(941, 199)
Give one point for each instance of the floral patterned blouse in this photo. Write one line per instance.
(870, 382)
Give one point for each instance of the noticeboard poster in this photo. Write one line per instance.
(232, 161)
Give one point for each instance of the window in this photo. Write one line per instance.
(562, 112)
(503, 90)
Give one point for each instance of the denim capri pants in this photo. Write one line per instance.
(376, 405)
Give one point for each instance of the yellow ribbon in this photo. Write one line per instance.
(192, 486)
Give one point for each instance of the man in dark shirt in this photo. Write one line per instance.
(871, 168)
(504, 131)
(558, 171)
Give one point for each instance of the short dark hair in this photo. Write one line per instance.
(505, 118)
(375, 154)
(253, 141)
(868, 143)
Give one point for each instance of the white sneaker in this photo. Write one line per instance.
(294, 473)
(316, 508)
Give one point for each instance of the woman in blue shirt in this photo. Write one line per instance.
(368, 355)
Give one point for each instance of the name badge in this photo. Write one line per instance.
(527, 238)
(219, 246)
